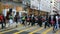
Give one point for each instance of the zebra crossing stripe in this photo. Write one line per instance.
(45, 32)
(57, 32)
(24, 30)
(8, 30)
(36, 30)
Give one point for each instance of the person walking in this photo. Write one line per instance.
(50, 20)
(10, 20)
(36, 19)
(47, 22)
(17, 18)
(33, 20)
(23, 20)
(40, 21)
(1, 21)
(28, 20)
(54, 23)
(57, 23)
(4, 21)
(4, 15)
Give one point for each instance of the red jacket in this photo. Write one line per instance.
(1, 18)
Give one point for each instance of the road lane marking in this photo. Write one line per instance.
(9, 30)
(45, 32)
(57, 32)
(24, 30)
(0, 33)
(36, 30)
(6, 31)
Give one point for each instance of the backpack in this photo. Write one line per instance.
(52, 22)
(10, 17)
(23, 18)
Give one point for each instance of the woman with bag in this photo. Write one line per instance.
(54, 23)
(28, 20)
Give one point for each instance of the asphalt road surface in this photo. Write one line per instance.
(29, 30)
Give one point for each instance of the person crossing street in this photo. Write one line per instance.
(1, 21)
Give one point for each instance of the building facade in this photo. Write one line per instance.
(43, 6)
(55, 4)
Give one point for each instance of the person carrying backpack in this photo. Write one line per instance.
(23, 20)
(10, 20)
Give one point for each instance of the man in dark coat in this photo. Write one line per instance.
(39, 21)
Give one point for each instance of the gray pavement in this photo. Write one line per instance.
(42, 31)
(21, 27)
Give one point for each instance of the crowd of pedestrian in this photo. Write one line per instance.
(30, 20)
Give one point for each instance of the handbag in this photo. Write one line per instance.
(52, 22)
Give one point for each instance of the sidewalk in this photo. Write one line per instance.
(13, 26)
